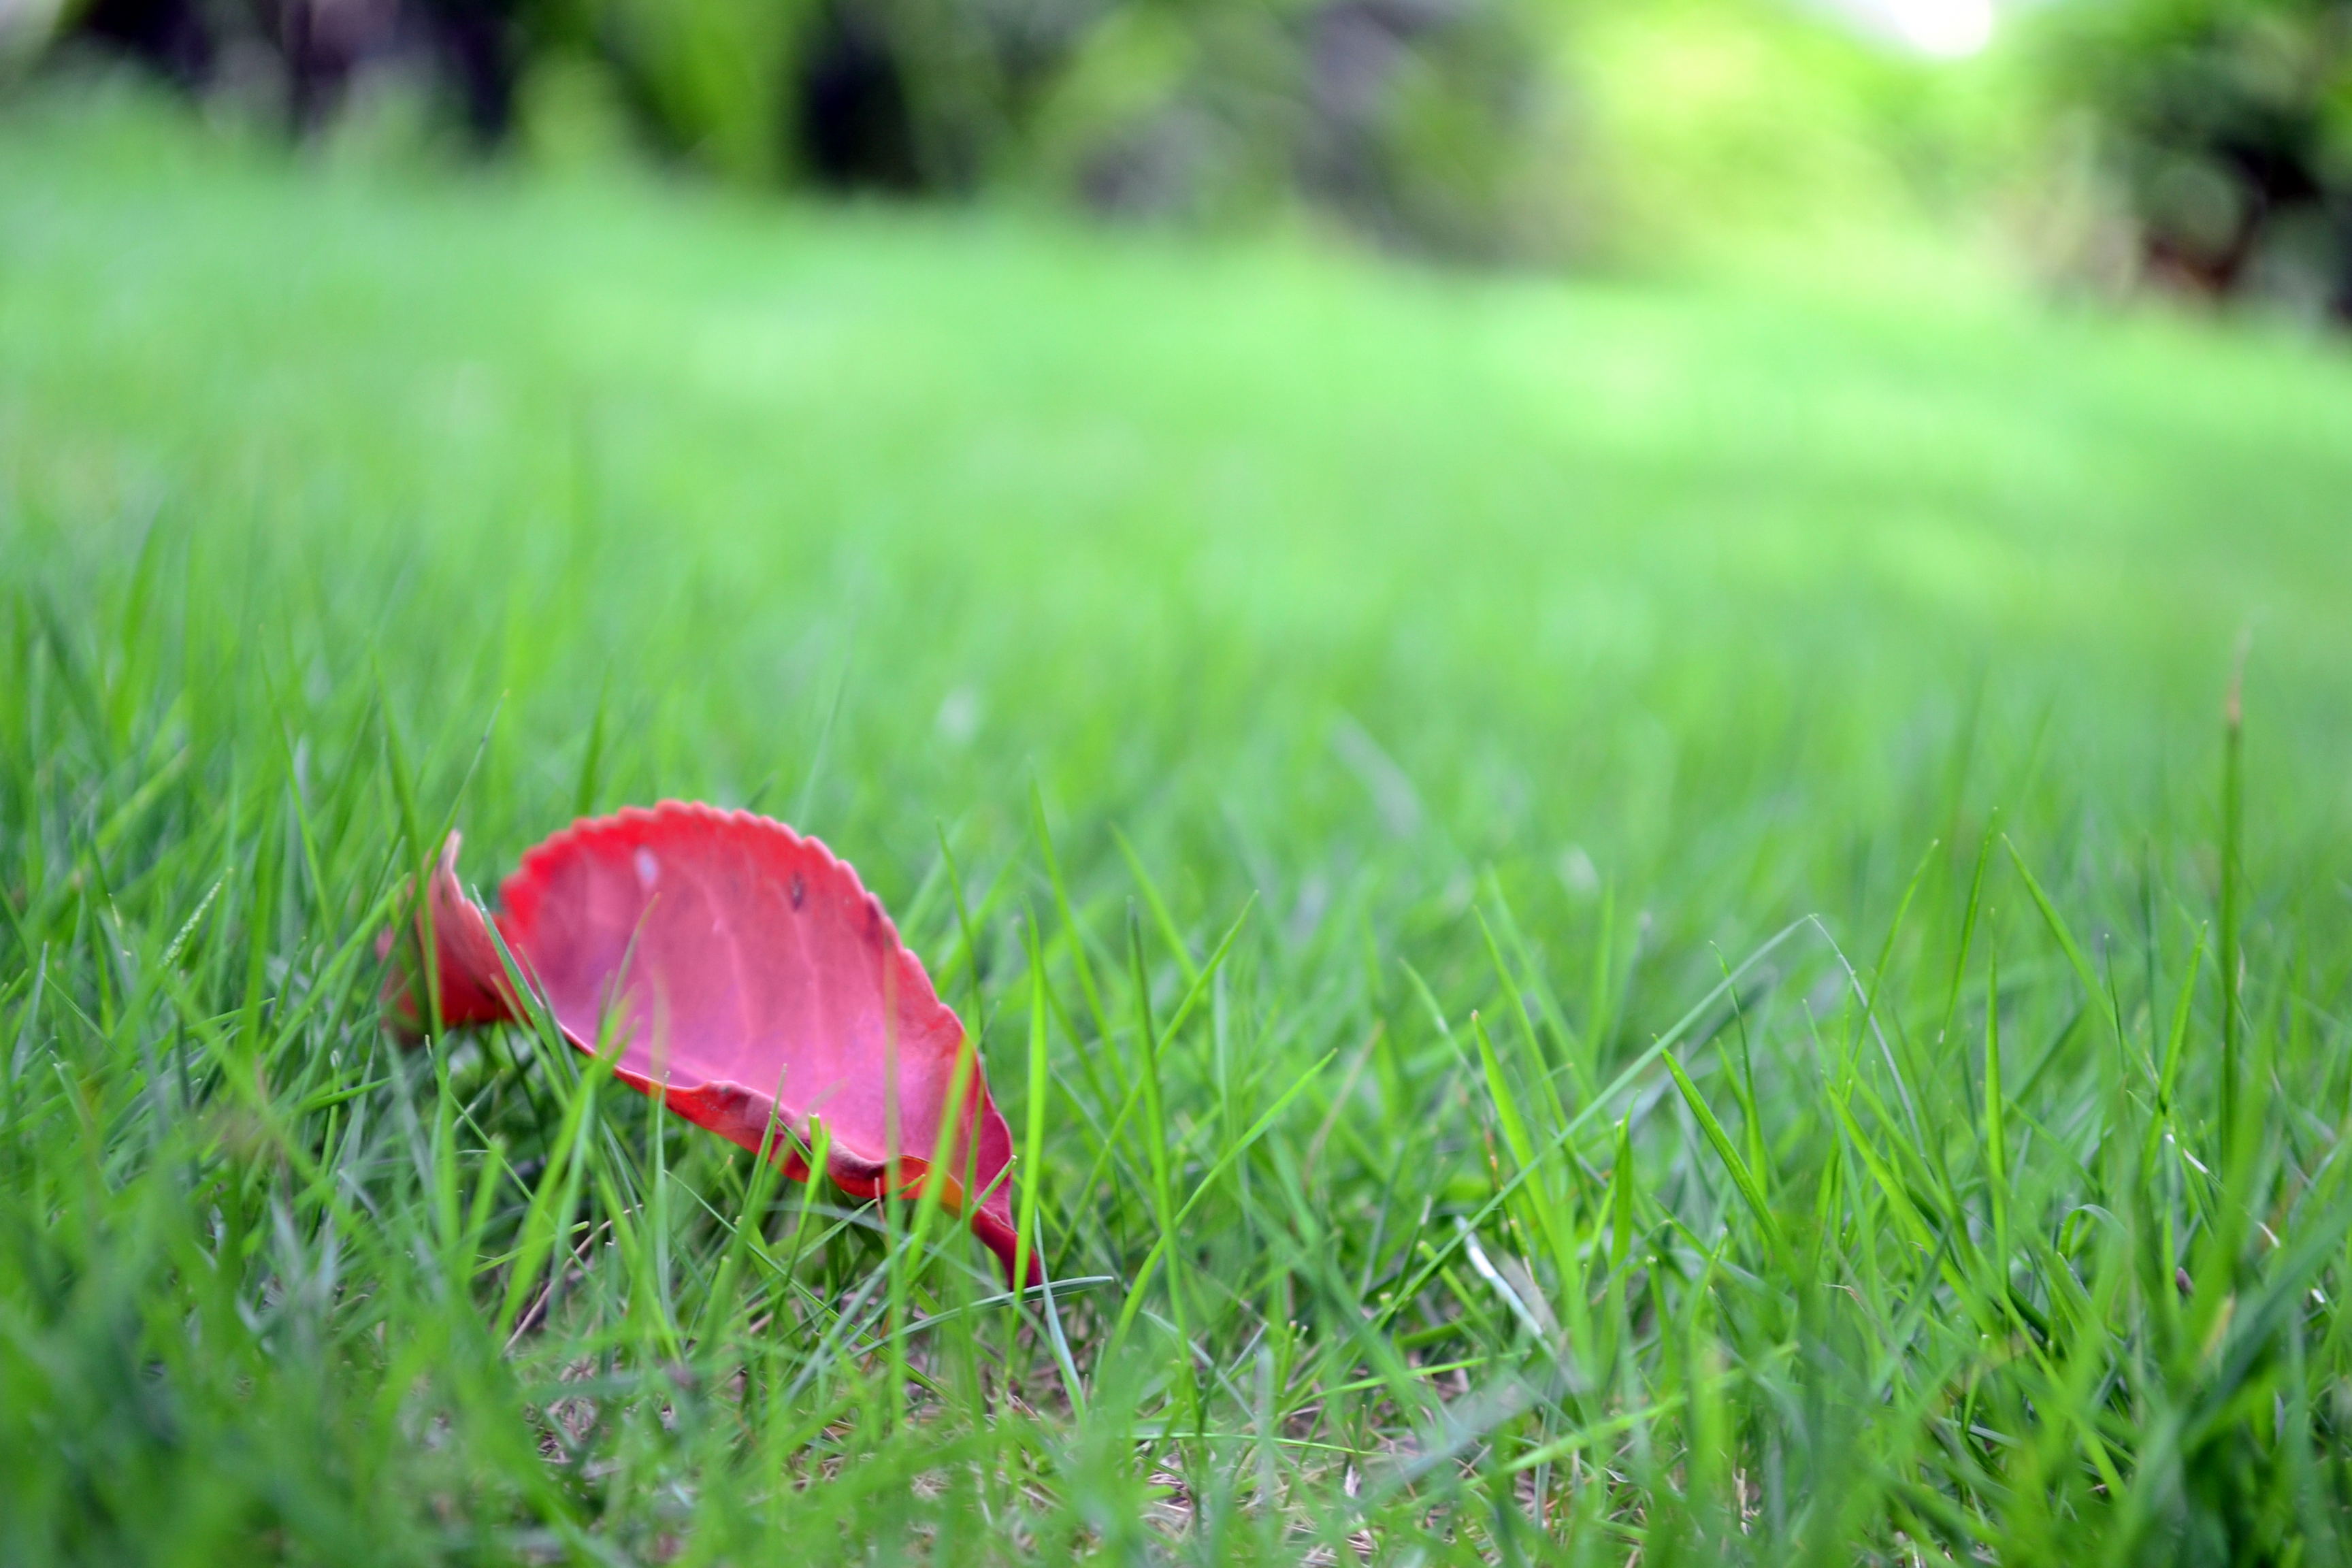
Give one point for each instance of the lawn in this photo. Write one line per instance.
(1626, 888)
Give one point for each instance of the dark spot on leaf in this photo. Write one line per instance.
(800, 890)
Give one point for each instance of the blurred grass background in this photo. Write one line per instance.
(1376, 706)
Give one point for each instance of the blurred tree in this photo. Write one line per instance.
(472, 49)
(176, 37)
(1484, 130)
(1415, 119)
(2229, 123)
(853, 126)
(1424, 123)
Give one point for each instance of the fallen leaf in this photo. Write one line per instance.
(749, 976)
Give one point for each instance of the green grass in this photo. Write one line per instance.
(1715, 792)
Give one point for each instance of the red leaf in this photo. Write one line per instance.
(750, 974)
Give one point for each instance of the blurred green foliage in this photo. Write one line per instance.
(1712, 116)
(707, 73)
(2204, 143)
(2229, 123)
(1489, 130)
